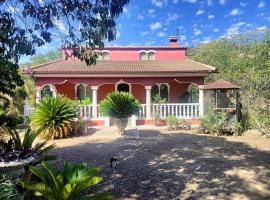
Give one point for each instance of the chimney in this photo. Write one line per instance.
(173, 41)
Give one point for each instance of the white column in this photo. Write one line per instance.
(94, 102)
(37, 93)
(148, 101)
(201, 101)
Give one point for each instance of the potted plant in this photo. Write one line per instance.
(119, 106)
(17, 153)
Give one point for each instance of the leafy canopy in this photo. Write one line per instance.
(26, 25)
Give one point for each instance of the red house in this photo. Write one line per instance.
(144, 71)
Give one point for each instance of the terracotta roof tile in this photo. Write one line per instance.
(110, 67)
(220, 84)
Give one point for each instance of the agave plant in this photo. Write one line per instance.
(66, 185)
(16, 147)
(119, 105)
(54, 117)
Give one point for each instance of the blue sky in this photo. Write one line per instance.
(151, 22)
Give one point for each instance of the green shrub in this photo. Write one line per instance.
(214, 122)
(119, 105)
(9, 190)
(54, 117)
(86, 101)
(66, 185)
(172, 122)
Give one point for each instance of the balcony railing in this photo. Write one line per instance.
(180, 110)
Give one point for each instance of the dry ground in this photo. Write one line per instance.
(175, 165)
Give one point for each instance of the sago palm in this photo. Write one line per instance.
(119, 105)
(66, 185)
(54, 117)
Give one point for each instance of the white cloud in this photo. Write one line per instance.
(216, 30)
(243, 4)
(159, 3)
(206, 40)
(222, 2)
(199, 12)
(171, 17)
(144, 33)
(261, 4)
(183, 37)
(261, 28)
(161, 34)
(151, 11)
(211, 16)
(155, 26)
(60, 25)
(12, 9)
(140, 17)
(125, 10)
(234, 28)
(118, 34)
(209, 2)
(235, 12)
(197, 31)
(190, 1)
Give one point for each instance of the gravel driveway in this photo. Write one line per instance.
(177, 165)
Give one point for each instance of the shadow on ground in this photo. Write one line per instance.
(177, 166)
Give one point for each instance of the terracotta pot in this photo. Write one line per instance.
(121, 124)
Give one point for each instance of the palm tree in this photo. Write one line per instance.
(66, 185)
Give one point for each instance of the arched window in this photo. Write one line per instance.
(89, 92)
(164, 92)
(160, 93)
(123, 87)
(154, 93)
(147, 55)
(46, 91)
(143, 56)
(80, 94)
(105, 55)
(151, 55)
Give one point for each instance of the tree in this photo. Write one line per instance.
(25, 25)
(243, 59)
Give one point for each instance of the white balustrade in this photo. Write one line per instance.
(142, 112)
(85, 111)
(181, 111)
(27, 110)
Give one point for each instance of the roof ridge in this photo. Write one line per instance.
(47, 63)
(209, 66)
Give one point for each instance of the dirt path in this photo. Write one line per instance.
(176, 166)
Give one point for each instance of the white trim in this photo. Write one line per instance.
(146, 74)
(121, 82)
(107, 51)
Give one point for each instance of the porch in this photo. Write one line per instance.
(181, 97)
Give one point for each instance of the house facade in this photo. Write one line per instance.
(147, 72)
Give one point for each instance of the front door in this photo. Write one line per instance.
(123, 87)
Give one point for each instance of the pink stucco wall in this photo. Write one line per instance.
(103, 90)
(122, 53)
(67, 89)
